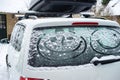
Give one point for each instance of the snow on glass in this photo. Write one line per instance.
(71, 46)
(17, 36)
(106, 41)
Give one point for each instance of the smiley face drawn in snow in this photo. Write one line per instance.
(106, 41)
(61, 46)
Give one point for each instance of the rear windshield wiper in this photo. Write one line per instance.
(103, 62)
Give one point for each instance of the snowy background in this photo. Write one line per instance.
(113, 7)
(14, 5)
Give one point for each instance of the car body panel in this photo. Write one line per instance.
(84, 72)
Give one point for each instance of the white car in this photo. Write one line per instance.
(64, 49)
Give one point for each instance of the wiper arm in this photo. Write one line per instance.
(102, 62)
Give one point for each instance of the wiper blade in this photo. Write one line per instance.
(103, 62)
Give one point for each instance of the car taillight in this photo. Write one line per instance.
(85, 23)
(23, 78)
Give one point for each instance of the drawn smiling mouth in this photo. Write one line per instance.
(63, 46)
(107, 46)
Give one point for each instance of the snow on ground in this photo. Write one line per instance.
(3, 68)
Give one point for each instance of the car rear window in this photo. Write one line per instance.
(72, 45)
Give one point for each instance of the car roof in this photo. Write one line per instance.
(65, 21)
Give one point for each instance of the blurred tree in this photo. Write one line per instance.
(105, 2)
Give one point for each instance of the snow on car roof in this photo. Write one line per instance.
(65, 21)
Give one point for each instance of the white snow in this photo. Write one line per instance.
(14, 6)
(98, 6)
(3, 68)
(113, 8)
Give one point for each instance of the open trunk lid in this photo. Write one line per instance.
(61, 6)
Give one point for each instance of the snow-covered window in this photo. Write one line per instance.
(17, 36)
(69, 46)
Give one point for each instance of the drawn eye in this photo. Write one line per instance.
(53, 39)
(106, 41)
(70, 38)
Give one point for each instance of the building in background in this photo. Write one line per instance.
(3, 26)
(7, 22)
